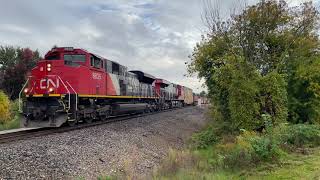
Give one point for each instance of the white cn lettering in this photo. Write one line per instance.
(49, 82)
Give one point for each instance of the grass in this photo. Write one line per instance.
(293, 166)
(284, 152)
(12, 124)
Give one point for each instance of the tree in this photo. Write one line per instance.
(14, 66)
(254, 64)
(203, 94)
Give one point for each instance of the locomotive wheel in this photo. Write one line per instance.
(88, 120)
(106, 116)
(72, 123)
(147, 110)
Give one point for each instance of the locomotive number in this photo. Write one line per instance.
(96, 76)
(44, 85)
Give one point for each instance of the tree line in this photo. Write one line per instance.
(15, 64)
(261, 66)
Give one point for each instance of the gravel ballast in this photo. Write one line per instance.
(132, 147)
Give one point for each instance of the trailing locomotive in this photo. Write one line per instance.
(72, 85)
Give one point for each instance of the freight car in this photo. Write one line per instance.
(73, 85)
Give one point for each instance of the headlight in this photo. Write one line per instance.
(51, 89)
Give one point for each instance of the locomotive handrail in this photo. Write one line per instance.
(76, 95)
(69, 103)
(20, 109)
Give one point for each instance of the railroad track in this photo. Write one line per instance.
(32, 133)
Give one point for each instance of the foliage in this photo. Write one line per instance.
(14, 66)
(293, 166)
(12, 121)
(304, 93)
(273, 97)
(4, 108)
(243, 152)
(204, 138)
(297, 136)
(261, 61)
(249, 154)
(248, 150)
(11, 124)
(203, 94)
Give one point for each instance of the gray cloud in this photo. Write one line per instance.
(155, 36)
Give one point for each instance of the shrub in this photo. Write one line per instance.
(14, 107)
(204, 138)
(4, 108)
(299, 135)
(12, 124)
(249, 149)
(265, 149)
(235, 155)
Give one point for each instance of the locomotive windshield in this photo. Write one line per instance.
(75, 57)
(55, 56)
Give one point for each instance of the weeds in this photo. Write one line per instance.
(204, 139)
(13, 121)
(236, 153)
(299, 135)
(177, 160)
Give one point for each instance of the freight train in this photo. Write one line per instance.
(72, 85)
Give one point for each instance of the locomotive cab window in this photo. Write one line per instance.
(75, 57)
(123, 71)
(96, 62)
(55, 56)
(115, 68)
(108, 66)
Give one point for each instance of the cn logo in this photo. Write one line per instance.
(45, 83)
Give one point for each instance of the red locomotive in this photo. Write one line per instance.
(72, 85)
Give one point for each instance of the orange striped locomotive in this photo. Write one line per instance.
(73, 85)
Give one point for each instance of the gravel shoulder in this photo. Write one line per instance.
(132, 147)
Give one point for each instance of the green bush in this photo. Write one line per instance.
(4, 108)
(14, 108)
(9, 113)
(12, 124)
(299, 135)
(235, 156)
(248, 149)
(265, 148)
(204, 139)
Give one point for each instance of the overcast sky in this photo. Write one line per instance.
(155, 36)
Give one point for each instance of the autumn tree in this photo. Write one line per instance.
(15, 63)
